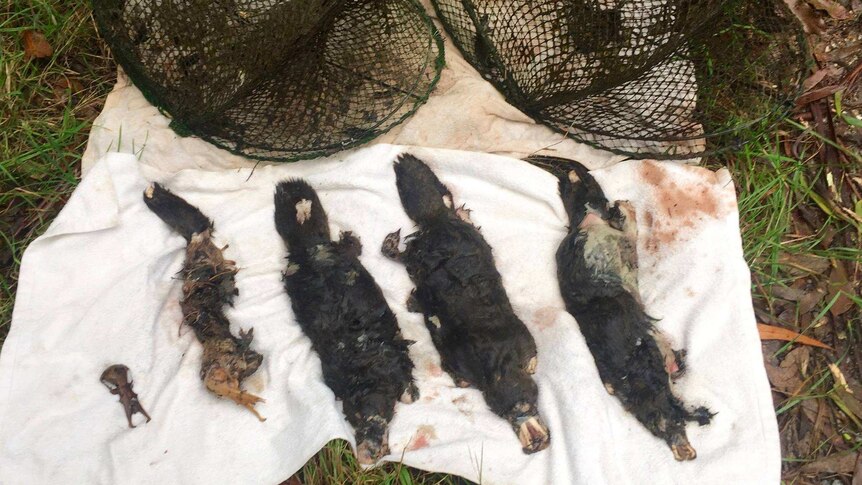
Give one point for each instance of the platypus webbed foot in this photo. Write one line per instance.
(463, 213)
(368, 451)
(390, 245)
(682, 449)
(222, 384)
(532, 433)
(372, 439)
(116, 379)
(701, 416)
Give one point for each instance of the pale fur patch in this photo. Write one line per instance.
(447, 201)
(303, 211)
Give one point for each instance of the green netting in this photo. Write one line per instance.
(645, 78)
(277, 79)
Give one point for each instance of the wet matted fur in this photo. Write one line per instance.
(597, 272)
(482, 343)
(343, 312)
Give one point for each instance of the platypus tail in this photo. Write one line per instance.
(422, 194)
(577, 187)
(183, 217)
(299, 217)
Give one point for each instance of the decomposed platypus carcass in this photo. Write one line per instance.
(208, 285)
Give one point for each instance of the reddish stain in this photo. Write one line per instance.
(678, 207)
(424, 434)
(433, 370)
(653, 173)
(545, 317)
(463, 406)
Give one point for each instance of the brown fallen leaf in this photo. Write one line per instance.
(36, 46)
(836, 463)
(839, 287)
(787, 377)
(857, 474)
(771, 332)
(814, 79)
(810, 300)
(817, 94)
(811, 22)
(834, 9)
(788, 293)
(803, 264)
(843, 396)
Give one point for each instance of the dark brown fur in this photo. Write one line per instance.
(208, 285)
(597, 272)
(481, 341)
(343, 312)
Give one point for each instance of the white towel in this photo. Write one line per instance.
(99, 287)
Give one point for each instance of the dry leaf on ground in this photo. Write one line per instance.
(804, 263)
(857, 474)
(841, 286)
(837, 463)
(834, 9)
(771, 332)
(36, 46)
(809, 18)
(787, 377)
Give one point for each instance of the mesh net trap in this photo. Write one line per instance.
(644, 78)
(276, 79)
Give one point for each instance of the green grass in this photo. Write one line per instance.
(770, 187)
(48, 107)
(335, 464)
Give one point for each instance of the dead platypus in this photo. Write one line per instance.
(208, 285)
(343, 312)
(481, 341)
(597, 271)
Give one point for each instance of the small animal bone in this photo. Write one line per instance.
(116, 379)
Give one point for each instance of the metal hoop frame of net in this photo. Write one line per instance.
(664, 79)
(277, 79)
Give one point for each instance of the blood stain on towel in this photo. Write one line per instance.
(422, 439)
(433, 370)
(678, 207)
(545, 317)
(463, 406)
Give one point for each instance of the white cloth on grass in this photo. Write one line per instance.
(99, 287)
